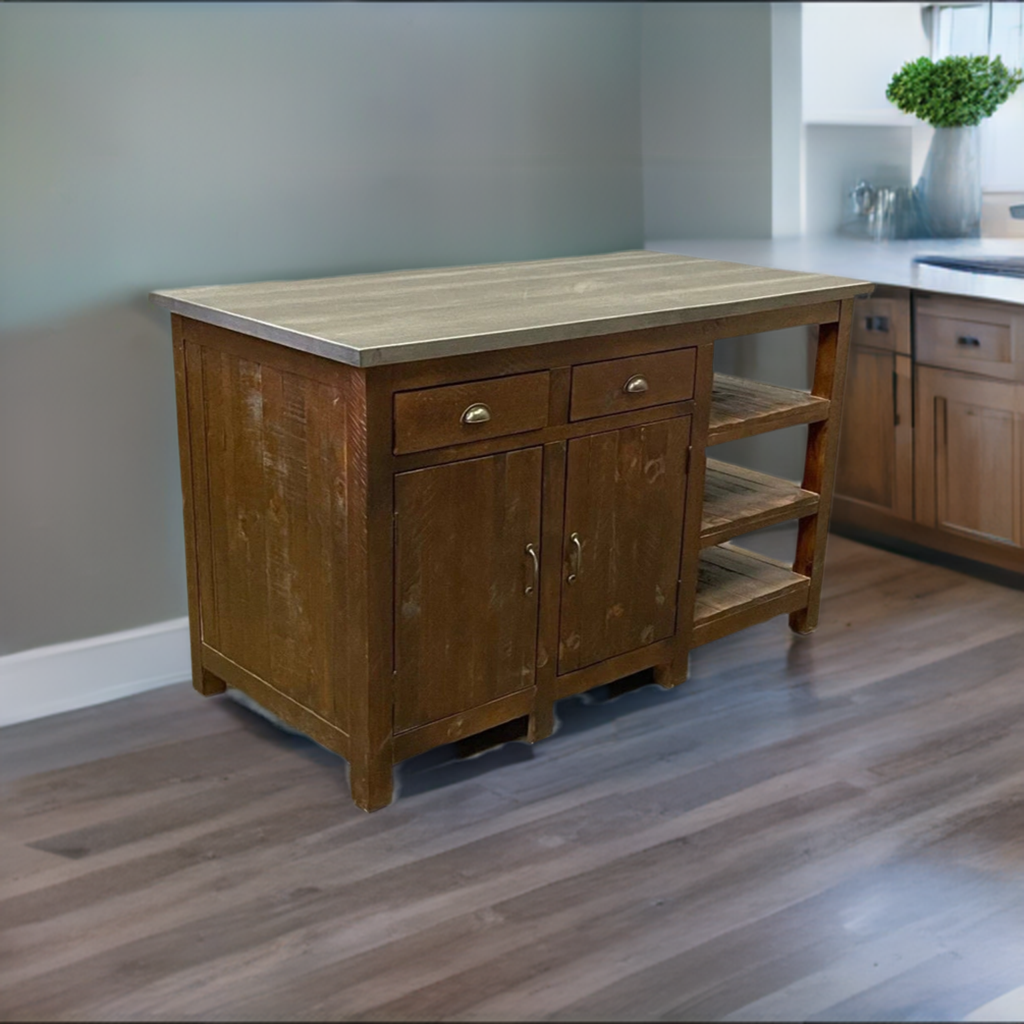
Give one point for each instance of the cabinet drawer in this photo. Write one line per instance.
(636, 382)
(883, 322)
(460, 413)
(972, 336)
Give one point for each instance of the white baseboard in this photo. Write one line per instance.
(62, 677)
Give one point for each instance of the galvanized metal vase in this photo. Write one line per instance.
(949, 190)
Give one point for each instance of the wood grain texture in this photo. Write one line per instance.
(968, 435)
(432, 418)
(672, 672)
(552, 560)
(468, 725)
(815, 828)
(188, 505)
(849, 515)
(369, 319)
(274, 449)
(992, 336)
(614, 344)
(883, 321)
(599, 389)
(369, 551)
(742, 408)
(820, 462)
(739, 500)
(466, 591)
(737, 588)
(362, 564)
(625, 495)
(867, 444)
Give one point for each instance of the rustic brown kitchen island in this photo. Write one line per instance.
(421, 504)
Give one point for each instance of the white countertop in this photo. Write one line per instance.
(371, 319)
(888, 263)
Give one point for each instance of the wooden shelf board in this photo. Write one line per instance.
(737, 588)
(739, 500)
(741, 408)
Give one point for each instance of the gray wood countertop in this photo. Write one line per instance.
(403, 316)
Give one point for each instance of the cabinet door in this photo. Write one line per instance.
(875, 463)
(625, 494)
(465, 584)
(968, 455)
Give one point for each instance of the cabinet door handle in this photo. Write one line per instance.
(968, 342)
(575, 556)
(877, 323)
(478, 413)
(636, 385)
(531, 550)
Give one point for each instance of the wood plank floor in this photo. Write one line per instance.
(818, 828)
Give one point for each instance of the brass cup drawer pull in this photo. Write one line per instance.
(636, 385)
(531, 550)
(966, 341)
(477, 413)
(575, 556)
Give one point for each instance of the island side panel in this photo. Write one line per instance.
(276, 441)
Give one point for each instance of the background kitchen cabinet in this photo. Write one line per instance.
(875, 464)
(968, 455)
(932, 446)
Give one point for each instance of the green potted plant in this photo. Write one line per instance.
(954, 96)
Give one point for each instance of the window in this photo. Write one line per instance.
(994, 30)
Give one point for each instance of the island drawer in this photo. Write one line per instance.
(635, 382)
(472, 411)
(978, 337)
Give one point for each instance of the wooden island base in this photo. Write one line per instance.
(396, 555)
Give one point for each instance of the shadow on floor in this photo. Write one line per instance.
(483, 753)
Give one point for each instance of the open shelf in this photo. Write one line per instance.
(741, 408)
(738, 500)
(737, 588)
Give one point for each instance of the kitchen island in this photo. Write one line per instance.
(932, 449)
(422, 504)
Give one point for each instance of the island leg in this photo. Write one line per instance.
(820, 462)
(676, 672)
(371, 779)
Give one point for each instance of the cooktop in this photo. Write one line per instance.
(1008, 266)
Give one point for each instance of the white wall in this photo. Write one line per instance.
(966, 30)
(787, 99)
(850, 53)
(838, 156)
(161, 145)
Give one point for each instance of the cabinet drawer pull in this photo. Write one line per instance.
(968, 342)
(876, 323)
(478, 413)
(636, 385)
(531, 550)
(575, 557)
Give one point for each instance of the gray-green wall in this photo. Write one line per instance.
(155, 145)
(162, 145)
